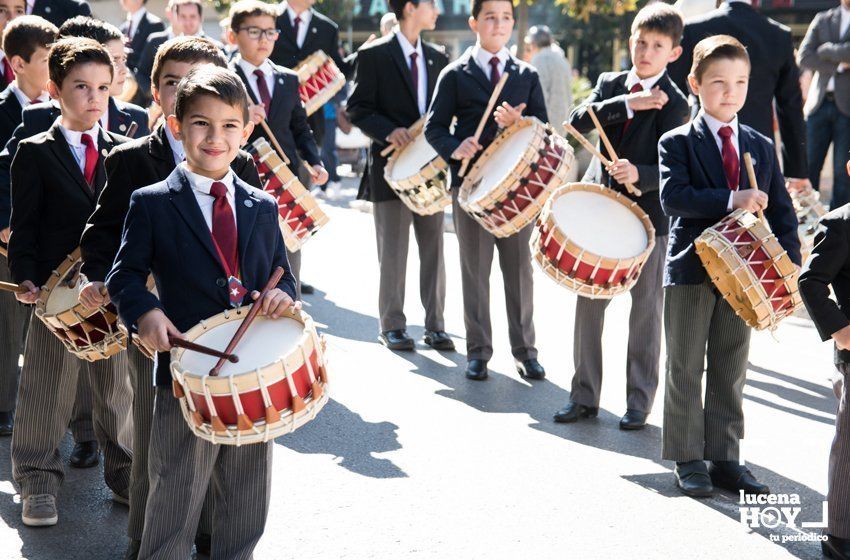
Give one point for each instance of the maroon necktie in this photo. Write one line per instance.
(731, 163)
(263, 88)
(224, 228)
(91, 158)
(414, 75)
(635, 89)
(494, 71)
(295, 25)
(7, 71)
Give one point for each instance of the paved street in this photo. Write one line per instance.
(411, 460)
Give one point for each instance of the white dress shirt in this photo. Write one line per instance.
(249, 69)
(714, 125)
(408, 49)
(133, 20)
(176, 146)
(845, 23)
(30, 6)
(647, 84)
(482, 58)
(25, 102)
(104, 120)
(201, 187)
(75, 141)
(306, 16)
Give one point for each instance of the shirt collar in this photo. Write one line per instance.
(43, 97)
(483, 57)
(175, 144)
(136, 17)
(646, 83)
(74, 137)
(249, 68)
(714, 124)
(203, 184)
(406, 47)
(305, 16)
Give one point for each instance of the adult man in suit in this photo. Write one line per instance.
(774, 76)
(826, 51)
(395, 80)
(58, 12)
(138, 26)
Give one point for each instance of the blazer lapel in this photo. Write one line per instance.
(184, 199)
(286, 30)
(471, 68)
(307, 48)
(430, 71)
(397, 54)
(104, 146)
(160, 151)
(119, 121)
(277, 93)
(709, 155)
(248, 87)
(11, 105)
(744, 144)
(62, 150)
(246, 214)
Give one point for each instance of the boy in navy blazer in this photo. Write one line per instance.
(274, 95)
(183, 231)
(702, 180)
(463, 91)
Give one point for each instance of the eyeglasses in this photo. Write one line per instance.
(256, 33)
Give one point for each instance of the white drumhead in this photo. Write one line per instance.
(412, 158)
(265, 342)
(501, 162)
(599, 224)
(62, 299)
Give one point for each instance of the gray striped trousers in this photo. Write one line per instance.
(13, 317)
(838, 495)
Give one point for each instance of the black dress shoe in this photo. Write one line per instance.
(84, 455)
(203, 543)
(6, 423)
(438, 340)
(835, 548)
(734, 477)
(633, 420)
(530, 369)
(396, 340)
(307, 289)
(693, 480)
(133, 550)
(573, 411)
(476, 369)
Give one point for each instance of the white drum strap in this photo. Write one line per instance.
(264, 388)
(291, 382)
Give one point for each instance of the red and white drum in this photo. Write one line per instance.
(508, 185)
(750, 269)
(592, 240)
(89, 334)
(279, 384)
(319, 80)
(300, 214)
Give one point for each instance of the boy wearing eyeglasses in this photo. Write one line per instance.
(273, 91)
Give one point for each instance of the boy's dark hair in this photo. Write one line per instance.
(476, 7)
(717, 47)
(210, 81)
(660, 18)
(195, 50)
(90, 28)
(175, 5)
(397, 7)
(26, 34)
(245, 9)
(66, 54)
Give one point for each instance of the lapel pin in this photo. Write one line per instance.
(248, 203)
(280, 80)
(430, 62)
(104, 152)
(47, 9)
(314, 30)
(122, 127)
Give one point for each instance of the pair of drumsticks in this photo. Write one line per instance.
(280, 151)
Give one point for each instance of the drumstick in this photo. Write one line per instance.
(751, 173)
(4, 251)
(14, 288)
(246, 322)
(389, 149)
(604, 137)
(586, 143)
(180, 343)
(490, 105)
(131, 130)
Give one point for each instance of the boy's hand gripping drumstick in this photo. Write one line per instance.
(490, 105)
(751, 173)
(608, 146)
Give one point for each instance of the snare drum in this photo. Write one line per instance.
(279, 384)
(509, 184)
(750, 269)
(300, 214)
(89, 334)
(319, 80)
(418, 176)
(592, 240)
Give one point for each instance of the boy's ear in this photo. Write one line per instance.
(246, 132)
(231, 36)
(473, 24)
(155, 94)
(17, 63)
(52, 89)
(692, 81)
(674, 54)
(174, 125)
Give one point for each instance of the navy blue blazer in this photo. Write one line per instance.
(695, 196)
(165, 234)
(463, 91)
(38, 118)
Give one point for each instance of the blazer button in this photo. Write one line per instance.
(221, 282)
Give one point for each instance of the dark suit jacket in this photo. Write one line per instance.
(774, 75)
(695, 196)
(463, 92)
(165, 234)
(823, 49)
(59, 11)
(10, 114)
(829, 265)
(51, 202)
(148, 24)
(144, 66)
(640, 143)
(129, 167)
(383, 99)
(286, 117)
(323, 35)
